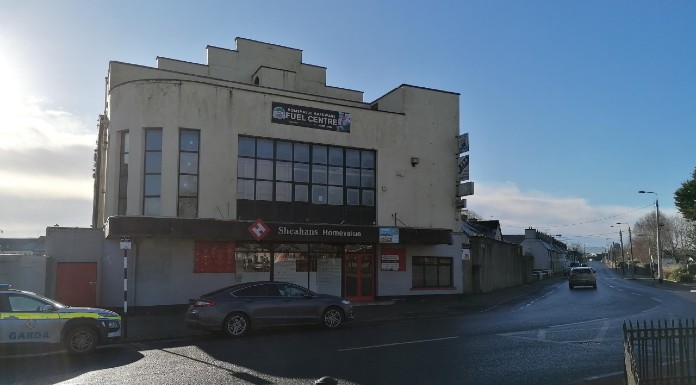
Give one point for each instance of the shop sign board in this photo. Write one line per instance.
(310, 117)
(388, 235)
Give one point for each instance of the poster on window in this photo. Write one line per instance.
(393, 260)
(214, 257)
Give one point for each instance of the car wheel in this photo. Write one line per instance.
(81, 340)
(332, 317)
(236, 325)
(594, 286)
(571, 287)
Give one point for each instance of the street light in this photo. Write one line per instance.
(623, 256)
(657, 216)
(630, 242)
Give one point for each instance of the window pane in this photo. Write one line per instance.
(335, 196)
(301, 172)
(336, 176)
(418, 276)
(246, 168)
(264, 191)
(264, 169)
(188, 207)
(353, 177)
(153, 185)
(153, 162)
(188, 185)
(367, 160)
(283, 192)
(336, 156)
(301, 152)
(430, 275)
(319, 154)
(189, 140)
(445, 274)
(283, 171)
(264, 148)
(301, 193)
(352, 158)
(319, 195)
(319, 174)
(367, 178)
(153, 140)
(247, 146)
(245, 189)
(188, 164)
(353, 197)
(151, 206)
(368, 198)
(284, 150)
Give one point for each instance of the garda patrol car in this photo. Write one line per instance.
(27, 317)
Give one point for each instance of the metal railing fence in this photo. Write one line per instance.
(662, 353)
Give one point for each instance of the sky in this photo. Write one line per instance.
(571, 107)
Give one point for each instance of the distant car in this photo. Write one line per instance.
(582, 276)
(566, 270)
(28, 318)
(240, 308)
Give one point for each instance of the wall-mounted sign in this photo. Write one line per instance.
(310, 117)
(393, 260)
(465, 189)
(388, 235)
(463, 143)
(258, 229)
(463, 167)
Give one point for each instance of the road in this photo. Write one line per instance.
(556, 336)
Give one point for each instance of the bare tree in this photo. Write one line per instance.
(644, 236)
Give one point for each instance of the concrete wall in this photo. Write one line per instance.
(497, 265)
(24, 272)
(71, 245)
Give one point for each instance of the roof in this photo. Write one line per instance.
(516, 239)
(37, 246)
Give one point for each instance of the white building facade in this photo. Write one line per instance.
(251, 168)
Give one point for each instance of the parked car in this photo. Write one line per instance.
(240, 308)
(28, 318)
(582, 276)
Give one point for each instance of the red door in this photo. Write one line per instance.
(76, 284)
(360, 277)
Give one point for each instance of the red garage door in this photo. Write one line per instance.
(76, 284)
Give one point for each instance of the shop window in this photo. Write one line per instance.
(214, 257)
(431, 272)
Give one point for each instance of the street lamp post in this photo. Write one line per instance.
(623, 256)
(630, 242)
(657, 216)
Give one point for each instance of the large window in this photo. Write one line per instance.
(188, 173)
(152, 191)
(432, 272)
(303, 182)
(123, 174)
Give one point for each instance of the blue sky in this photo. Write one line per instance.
(571, 106)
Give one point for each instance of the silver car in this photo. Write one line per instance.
(237, 309)
(582, 276)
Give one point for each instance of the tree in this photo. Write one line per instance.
(644, 236)
(685, 198)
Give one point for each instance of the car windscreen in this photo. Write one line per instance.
(581, 271)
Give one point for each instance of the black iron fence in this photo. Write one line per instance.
(660, 354)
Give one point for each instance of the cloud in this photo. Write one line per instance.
(574, 218)
(47, 159)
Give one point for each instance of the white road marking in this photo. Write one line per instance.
(655, 299)
(399, 343)
(578, 323)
